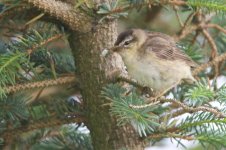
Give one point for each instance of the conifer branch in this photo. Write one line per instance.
(194, 109)
(208, 4)
(214, 51)
(216, 26)
(176, 113)
(211, 43)
(171, 135)
(202, 67)
(186, 29)
(15, 10)
(185, 107)
(178, 16)
(40, 84)
(55, 37)
(49, 123)
(64, 12)
(177, 2)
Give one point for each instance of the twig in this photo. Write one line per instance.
(195, 37)
(40, 84)
(171, 135)
(14, 10)
(217, 27)
(196, 109)
(55, 37)
(185, 30)
(176, 2)
(208, 64)
(190, 17)
(51, 122)
(174, 114)
(211, 43)
(145, 105)
(178, 17)
(182, 105)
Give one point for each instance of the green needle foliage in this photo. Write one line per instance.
(144, 120)
(10, 64)
(68, 138)
(204, 126)
(14, 108)
(199, 94)
(210, 5)
(32, 50)
(221, 94)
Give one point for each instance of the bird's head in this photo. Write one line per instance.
(129, 41)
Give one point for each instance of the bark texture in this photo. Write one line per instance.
(92, 69)
(87, 41)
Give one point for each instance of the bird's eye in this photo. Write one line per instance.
(126, 43)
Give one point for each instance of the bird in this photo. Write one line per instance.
(154, 60)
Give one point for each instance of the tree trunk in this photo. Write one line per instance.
(91, 69)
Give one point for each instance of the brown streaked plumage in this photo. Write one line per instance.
(165, 48)
(153, 59)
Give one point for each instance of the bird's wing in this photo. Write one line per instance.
(164, 47)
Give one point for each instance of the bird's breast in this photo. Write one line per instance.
(155, 74)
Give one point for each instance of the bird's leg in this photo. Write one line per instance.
(113, 75)
(160, 94)
(130, 81)
(147, 92)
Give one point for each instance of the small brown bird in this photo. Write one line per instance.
(153, 59)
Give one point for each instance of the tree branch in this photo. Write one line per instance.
(40, 84)
(55, 37)
(202, 67)
(216, 26)
(171, 135)
(51, 122)
(192, 109)
(64, 12)
(183, 106)
(211, 43)
(177, 2)
(186, 29)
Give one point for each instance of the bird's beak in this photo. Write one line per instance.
(115, 48)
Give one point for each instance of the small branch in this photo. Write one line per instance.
(216, 26)
(171, 135)
(40, 84)
(49, 123)
(145, 105)
(178, 17)
(14, 10)
(196, 109)
(211, 63)
(128, 7)
(185, 32)
(66, 13)
(182, 105)
(176, 2)
(195, 37)
(211, 43)
(189, 19)
(55, 37)
(174, 114)
(186, 29)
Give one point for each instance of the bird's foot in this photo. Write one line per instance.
(155, 98)
(113, 75)
(147, 92)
